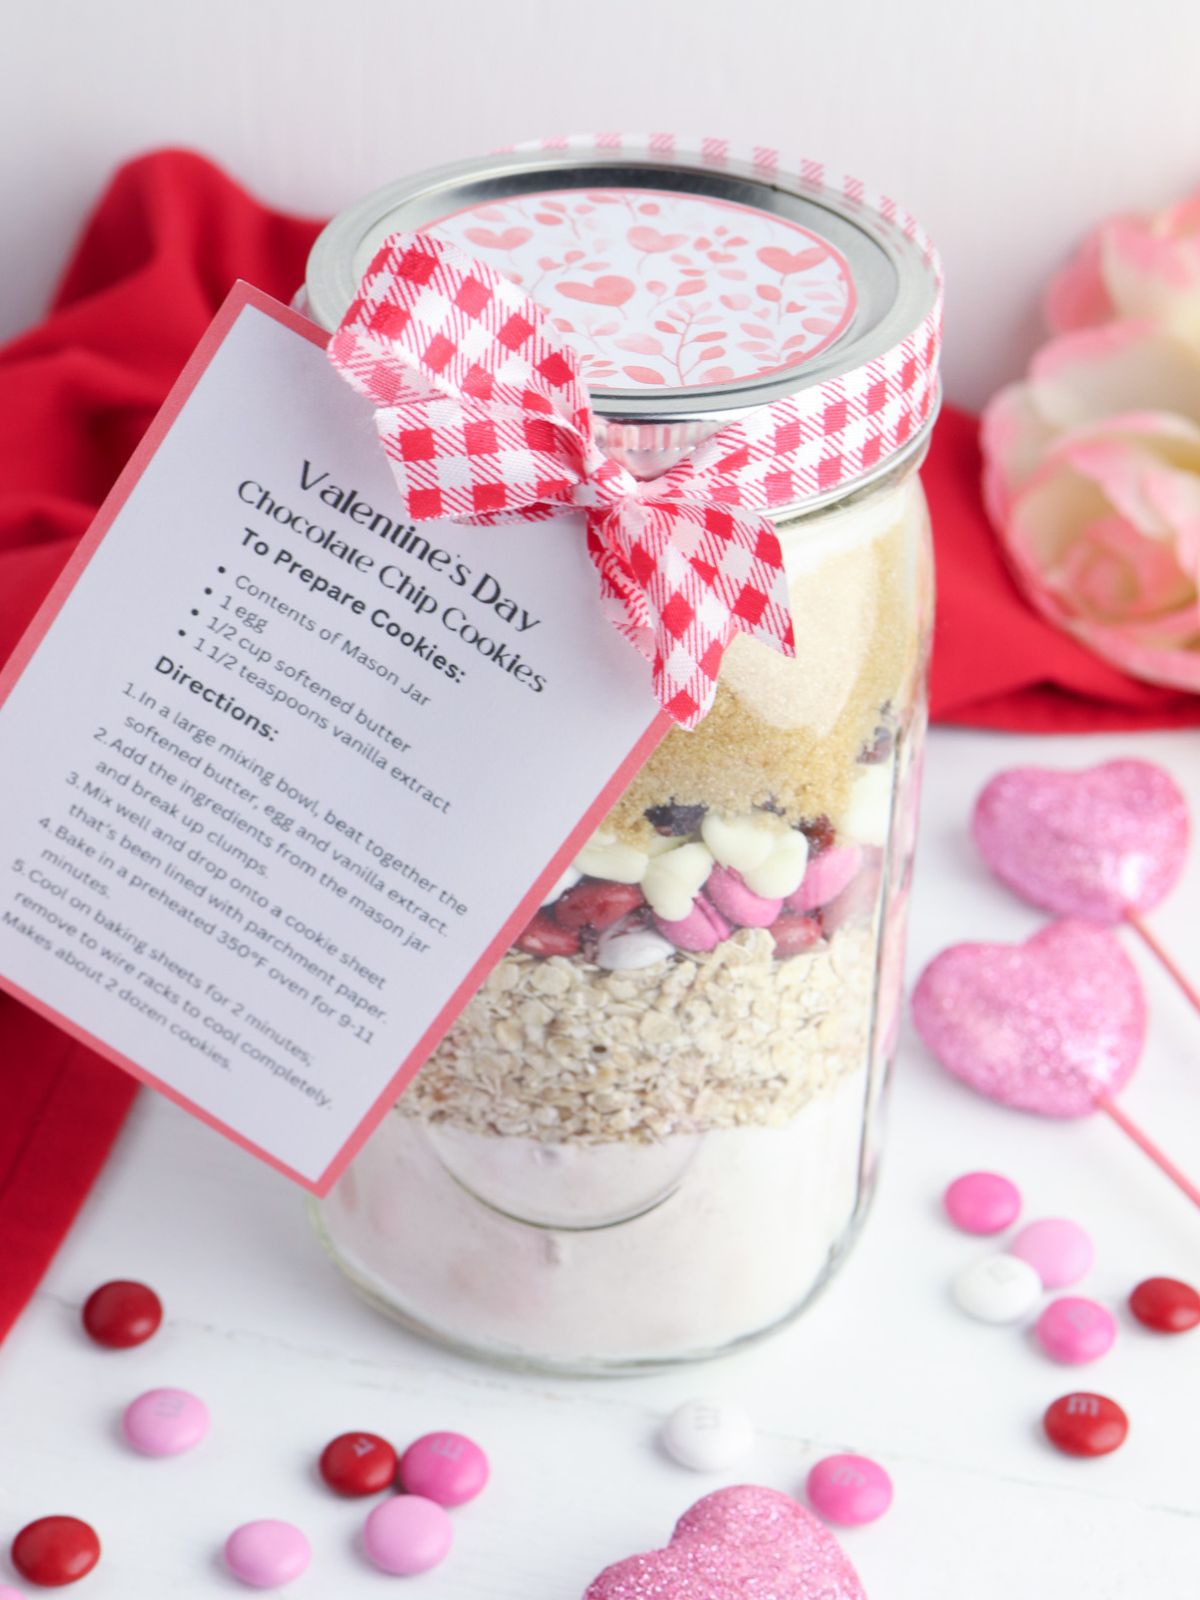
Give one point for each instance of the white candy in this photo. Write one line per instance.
(673, 880)
(782, 872)
(568, 880)
(708, 1435)
(629, 945)
(999, 1288)
(742, 844)
(605, 857)
(868, 814)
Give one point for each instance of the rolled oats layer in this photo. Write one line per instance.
(561, 1051)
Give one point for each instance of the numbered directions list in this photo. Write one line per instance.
(285, 770)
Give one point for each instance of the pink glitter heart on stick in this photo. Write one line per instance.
(1096, 844)
(744, 1543)
(1055, 1025)
(1051, 1025)
(1106, 844)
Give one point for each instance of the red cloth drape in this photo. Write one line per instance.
(166, 241)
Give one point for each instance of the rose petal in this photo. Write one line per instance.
(1100, 372)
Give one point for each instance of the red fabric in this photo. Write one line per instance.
(166, 241)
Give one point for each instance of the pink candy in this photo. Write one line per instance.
(407, 1534)
(267, 1554)
(165, 1422)
(849, 1490)
(702, 929)
(735, 901)
(827, 875)
(1074, 1330)
(1060, 1252)
(446, 1467)
(982, 1202)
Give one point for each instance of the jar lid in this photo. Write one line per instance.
(694, 285)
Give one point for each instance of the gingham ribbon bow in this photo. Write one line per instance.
(484, 416)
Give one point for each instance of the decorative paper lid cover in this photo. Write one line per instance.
(694, 283)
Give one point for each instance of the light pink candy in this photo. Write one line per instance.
(745, 909)
(446, 1467)
(827, 875)
(1058, 1250)
(1049, 1026)
(1092, 844)
(267, 1554)
(849, 1490)
(408, 1534)
(165, 1422)
(7, 1593)
(1074, 1330)
(982, 1202)
(702, 929)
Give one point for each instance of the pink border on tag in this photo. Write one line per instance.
(242, 296)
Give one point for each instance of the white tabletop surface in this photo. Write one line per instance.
(265, 1330)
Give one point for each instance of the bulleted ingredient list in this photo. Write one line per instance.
(286, 770)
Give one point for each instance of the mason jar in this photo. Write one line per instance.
(654, 1131)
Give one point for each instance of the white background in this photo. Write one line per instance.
(1009, 128)
(265, 1330)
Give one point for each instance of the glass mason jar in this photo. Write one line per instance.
(655, 1129)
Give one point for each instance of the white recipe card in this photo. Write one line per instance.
(284, 774)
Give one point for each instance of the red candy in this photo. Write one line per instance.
(1166, 1305)
(1083, 1424)
(544, 937)
(121, 1314)
(55, 1550)
(358, 1463)
(597, 905)
(794, 932)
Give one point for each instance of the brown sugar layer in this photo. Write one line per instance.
(787, 734)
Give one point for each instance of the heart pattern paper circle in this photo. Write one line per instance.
(744, 1543)
(1092, 844)
(1048, 1026)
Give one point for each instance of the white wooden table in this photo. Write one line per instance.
(286, 1357)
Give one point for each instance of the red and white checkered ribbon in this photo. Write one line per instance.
(481, 409)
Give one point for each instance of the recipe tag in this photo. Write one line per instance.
(285, 774)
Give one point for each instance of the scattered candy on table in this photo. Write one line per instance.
(122, 1314)
(982, 1202)
(1000, 1288)
(267, 1554)
(1059, 1251)
(736, 1543)
(1165, 1304)
(358, 1464)
(165, 1422)
(1074, 1330)
(708, 1435)
(407, 1534)
(55, 1550)
(8, 1593)
(448, 1468)
(1083, 1424)
(849, 1490)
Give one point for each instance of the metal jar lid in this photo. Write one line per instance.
(695, 285)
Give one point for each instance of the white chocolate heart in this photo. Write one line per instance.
(740, 844)
(605, 857)
(782, 872)
(868, 814)
(673, 880)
